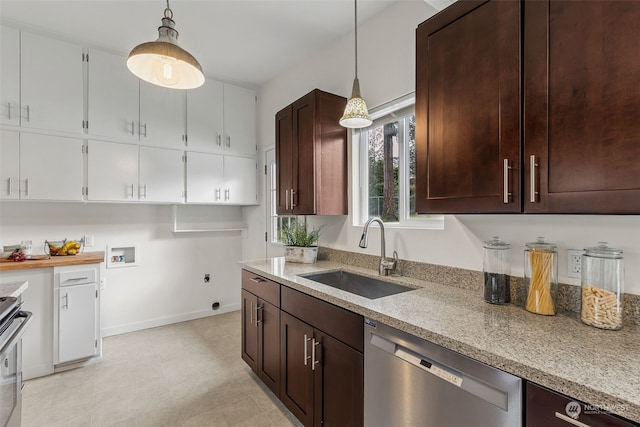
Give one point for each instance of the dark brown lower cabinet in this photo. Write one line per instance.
(322, 378)
(547, 408)
(261, 329)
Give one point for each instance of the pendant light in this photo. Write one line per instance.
(356, 114)
(163, 62)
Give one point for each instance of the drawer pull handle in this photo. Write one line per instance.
(66, 301)
(257, 280)
(77, 278)
(570, 420)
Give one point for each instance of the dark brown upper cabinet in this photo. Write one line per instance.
(468, 109)
(311, 156)
(538, 117)
(582, 106)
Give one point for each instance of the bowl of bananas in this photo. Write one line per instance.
(62, 247)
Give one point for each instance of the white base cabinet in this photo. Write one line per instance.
(76, 313)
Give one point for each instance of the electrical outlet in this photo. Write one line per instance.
(207, 278)
(88, 241)
(574, 262)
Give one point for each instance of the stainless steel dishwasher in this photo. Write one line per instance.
(411, 382)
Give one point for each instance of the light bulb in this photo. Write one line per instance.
(166, 71)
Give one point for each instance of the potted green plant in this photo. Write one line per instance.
(300, 244)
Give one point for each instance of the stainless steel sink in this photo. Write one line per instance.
(364, 286)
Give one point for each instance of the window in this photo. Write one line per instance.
(387, 164)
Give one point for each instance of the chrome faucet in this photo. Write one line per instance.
(387, 266)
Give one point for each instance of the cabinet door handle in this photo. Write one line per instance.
(143, 126)
(314, 361)
(9, 185)
(258, 320)
(570, 420)
(251, 314)
(306, 353)
(131, 196)
(66, 301)
(286, 200)
(219, 140)
(26, 187)
(28, 114)
(133, 127)
(505, 177)
(293, 194)
(532, 178)
(229, 141)
(9, 108)
(144, 187)
(217, 194)
(227, 193)
(257, 280)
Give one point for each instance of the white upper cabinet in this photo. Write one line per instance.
(162, 116)
(9, 76)
(9, 165)
(51, 84)
(113, 94)
(205, 177)
(50, 167)
(239, 120)
(205, 125)
(240, 175)
(112, 171)
(161, 175)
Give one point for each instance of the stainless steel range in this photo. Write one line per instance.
(13, 323)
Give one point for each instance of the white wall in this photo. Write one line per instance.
(387, 71)
(167, 285)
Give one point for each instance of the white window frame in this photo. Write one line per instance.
(361, 180)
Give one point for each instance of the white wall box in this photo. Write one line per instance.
(112, 171)
(9, 76)
(113, 97)
(205, 125)
(162, 116)
(51, 84)
(76, 313)
(125, 255)
(40, 167)
(206, 218)
(239, 120)
(214, 178)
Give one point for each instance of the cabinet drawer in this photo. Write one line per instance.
(261, 287)
(77, 277)
(546, 408)
(342, 324)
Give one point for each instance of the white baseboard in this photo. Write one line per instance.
(163, 321)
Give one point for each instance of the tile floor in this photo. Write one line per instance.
(181, 375)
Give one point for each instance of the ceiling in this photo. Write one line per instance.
(244, 41)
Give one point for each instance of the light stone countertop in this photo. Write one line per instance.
(595, 366)
(13, 289)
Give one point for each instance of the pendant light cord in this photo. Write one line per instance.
(355, 3)
(168, 13)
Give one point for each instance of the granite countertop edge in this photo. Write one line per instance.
(519, 350)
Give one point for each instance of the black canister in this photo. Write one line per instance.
(497, 271)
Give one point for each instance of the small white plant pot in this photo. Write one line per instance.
(305, 255)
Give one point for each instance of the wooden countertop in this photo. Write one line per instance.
(54, 261)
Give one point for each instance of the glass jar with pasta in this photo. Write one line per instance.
(602, 287)
(541, 277)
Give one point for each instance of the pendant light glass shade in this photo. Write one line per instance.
(163, 62)
(356, 115)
